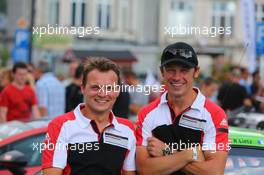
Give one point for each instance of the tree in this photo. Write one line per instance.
(4, 57)
(3, 6)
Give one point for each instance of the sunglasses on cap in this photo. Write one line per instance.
(180, 52)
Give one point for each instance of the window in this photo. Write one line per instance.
(104, 14)
(245, 161)
(78, 11)
(223, 14)
(181, 13)
(259, 12)
(125, 13)
(53, 11)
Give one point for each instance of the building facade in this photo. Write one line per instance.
(145, 27)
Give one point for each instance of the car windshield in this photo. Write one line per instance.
(245, 161)
(15, 127)
(11, 128)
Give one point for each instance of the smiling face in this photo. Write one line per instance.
(179, 79)
(99, 97)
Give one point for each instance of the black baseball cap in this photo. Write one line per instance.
(181, 53)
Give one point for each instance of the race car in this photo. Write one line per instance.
(246, 155)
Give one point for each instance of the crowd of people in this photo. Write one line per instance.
(28, 91)
(189, 109)
(239, 89)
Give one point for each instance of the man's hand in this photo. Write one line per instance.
(155, 147)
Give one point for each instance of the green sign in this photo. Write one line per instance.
(52, 41)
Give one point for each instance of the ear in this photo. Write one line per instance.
(196, 72)
(82, 88)
(162, 70)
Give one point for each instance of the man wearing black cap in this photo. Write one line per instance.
(182, 119)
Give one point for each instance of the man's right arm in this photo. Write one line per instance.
(161, 165)
(54, 155)
(3, 113)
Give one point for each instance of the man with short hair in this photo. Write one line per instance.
(90, 139)
(74, 94)
(168, 128)
(50, 91)
(18, 101)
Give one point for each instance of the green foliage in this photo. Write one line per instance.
(4, 56)
(3, 6)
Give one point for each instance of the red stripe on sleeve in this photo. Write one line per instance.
(220, 123)
(141, 117)
(54, 129)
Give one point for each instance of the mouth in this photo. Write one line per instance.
(101, 101)
(177, 85)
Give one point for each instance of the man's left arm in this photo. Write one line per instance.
(215, 146)
(214, 164)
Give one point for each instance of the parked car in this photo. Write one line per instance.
(246, 156)
(247, 120)
(20, 147)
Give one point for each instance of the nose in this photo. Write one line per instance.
(176, 75)
(102, 92)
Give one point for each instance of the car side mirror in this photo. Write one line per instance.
(14, 161)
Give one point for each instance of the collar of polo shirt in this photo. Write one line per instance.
(84, 122)
(197, 104)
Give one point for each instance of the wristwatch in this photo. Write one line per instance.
(194, 154)
(166, 151)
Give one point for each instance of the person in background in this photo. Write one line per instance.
(232, 95)
(257, 91)
(121, 106)
(18, 100)
(74, 94)
(244, 79)
(72, 69)
(137, 99)
(209, 88)
(256, 86)
(50, 91)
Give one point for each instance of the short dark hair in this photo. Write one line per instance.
(254, 74)
(19, 65)
(79, 71)
(101, 64)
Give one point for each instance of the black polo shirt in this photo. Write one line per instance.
(74, 144)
